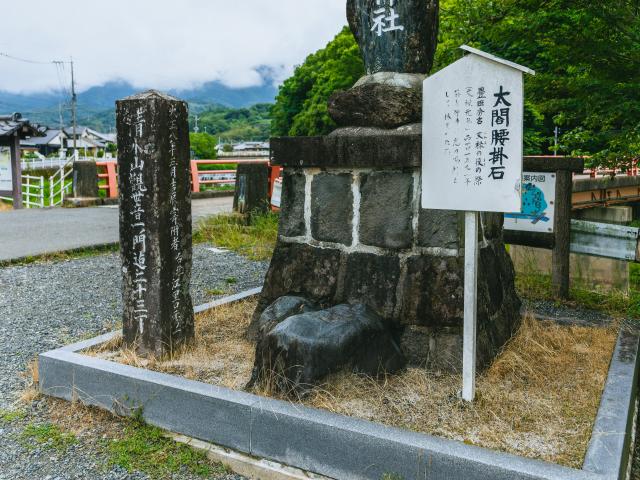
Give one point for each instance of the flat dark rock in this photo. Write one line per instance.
(304, 348)
(281, 309)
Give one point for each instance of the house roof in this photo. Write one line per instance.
(10, 124)
(251, 146)
(47, 137)
(79, 131)
(107, 137)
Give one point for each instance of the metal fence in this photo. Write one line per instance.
(44, 163)
(32, 191)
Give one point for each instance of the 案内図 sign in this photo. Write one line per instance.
(538, 204)
(6, 181)
(472, 135)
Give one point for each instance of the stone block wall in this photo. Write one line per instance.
(357, 234)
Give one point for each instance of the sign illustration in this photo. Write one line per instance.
(538, 204)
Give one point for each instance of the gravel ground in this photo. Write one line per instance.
(47, 305)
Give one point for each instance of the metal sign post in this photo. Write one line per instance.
(472, 159)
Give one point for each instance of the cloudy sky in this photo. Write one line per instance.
(162, 43)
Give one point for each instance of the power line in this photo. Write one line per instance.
(18, 59)
(60, 71)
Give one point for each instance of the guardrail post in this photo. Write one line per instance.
(41, 192)
(16, 173)
(562, 229)
(195, 177)
(112, 180)
(274, 174)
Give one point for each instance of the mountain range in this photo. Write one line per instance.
(96, 106)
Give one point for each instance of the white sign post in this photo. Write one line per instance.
(472, 159)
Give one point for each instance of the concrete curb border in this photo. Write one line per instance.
(332, 445)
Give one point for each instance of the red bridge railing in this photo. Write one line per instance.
(108, 174)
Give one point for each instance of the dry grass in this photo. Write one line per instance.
(5, 207)
(30, 392)
(220, 355)
(539, 398)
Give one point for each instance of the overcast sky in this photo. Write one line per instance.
(160, 43)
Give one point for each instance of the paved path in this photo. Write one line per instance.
(25, 233)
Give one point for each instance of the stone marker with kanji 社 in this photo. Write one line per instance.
(356, 250)
(155, 222)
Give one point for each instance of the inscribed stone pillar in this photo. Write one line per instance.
(85, 179)
(252, 188)
(155, 222)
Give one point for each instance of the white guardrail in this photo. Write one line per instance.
(32, 191)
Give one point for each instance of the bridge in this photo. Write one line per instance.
(604, 191)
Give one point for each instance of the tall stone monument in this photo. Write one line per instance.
(155, 222)
(352, 230)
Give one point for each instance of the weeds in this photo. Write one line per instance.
(537, 286)
(216, 291)
(146, 449)
(8, 416)
(253, 236)
(47, 435)
(63, 256)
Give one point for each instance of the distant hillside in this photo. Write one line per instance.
(235, 124)
(96, 106)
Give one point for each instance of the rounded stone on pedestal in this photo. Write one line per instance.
(376, 105)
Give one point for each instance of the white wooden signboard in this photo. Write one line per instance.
(472, 135)
(538, 204)
(6, 182)
(472, 159)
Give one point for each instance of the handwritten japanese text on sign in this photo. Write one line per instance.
(472, 137)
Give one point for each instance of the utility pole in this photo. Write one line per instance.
(555, 141)
(196, 129)
(73, 106)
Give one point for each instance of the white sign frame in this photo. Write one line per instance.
(472, 161)
(6, 170)
(472, 149)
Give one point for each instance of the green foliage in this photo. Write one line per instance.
(537, 286)
(47, 435)
(586, 56)
(230, 124)
(301, 104)
(203, 145)
(145, 448)
(253, 236)
(8, 416)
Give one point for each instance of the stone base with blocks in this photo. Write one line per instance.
(328, 444)
(352, 231)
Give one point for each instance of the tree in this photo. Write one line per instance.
(203, 145)
(301, 104)
(586, 55)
